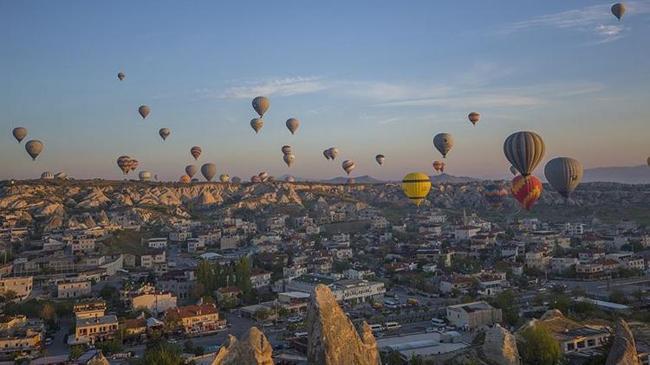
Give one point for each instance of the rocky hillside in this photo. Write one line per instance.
(333, 339)
(52, 205)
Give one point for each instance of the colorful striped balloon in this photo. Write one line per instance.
(527, 190)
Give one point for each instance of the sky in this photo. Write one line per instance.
(368, 77)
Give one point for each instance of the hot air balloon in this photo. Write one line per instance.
(326, 154)
(195, 180)
(121, 76)
(144, 111)
(443, 143)
(648, 161)
(164, 133)
(293, 124)
(513, 170)
(123, 164)
(564, 174)
(19, 133)
(263, 176)
(527, 190)
(144, 176)
(290, 179)
(61, 175)
(286, 150)
(195, 152)
(416, 186)
(208, 170)
(261, 105)
(257, 124)
(333, 152)
(133, 164)
(474, 117)
(618, 10)
(236, 180)
(348, 166)
(495, 194)
(380, 159)
(34, 148)
(191, 170)
(439, 166)
(47, 175)
(224, 178)
(288, 159)
(185, 179)
(256, 179)
(524, 150)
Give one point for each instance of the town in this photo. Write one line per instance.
(107, 270)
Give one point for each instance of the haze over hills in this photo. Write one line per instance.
(619, 174)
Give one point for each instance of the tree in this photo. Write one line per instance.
(539, 347)
(162, 354)
(48, 313)
(76, 351)
(507, 302)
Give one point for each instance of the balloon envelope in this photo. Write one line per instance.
(257, 124)
(121, 76)
(416, 187)
(34, 148)
(288, 159)
(618, 10)
(164, 133)
(292, 125)
(495, 194)
(380, 159)
(144, 176)
(144, 111)
(524, 150)
(185, 179)
(348, 166)
(123, 164)
(191, 170)
(19, 133)
(224, 178)
(474, 117)
(208, 171)
(286, 150)
(527, 190)
(195, 152)
(47, 175)
(443, 142)
(261, 105)
(564, 174)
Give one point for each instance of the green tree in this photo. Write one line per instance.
(76, 351)
(507, 302)
(618, 296)
(539, 347)
(162, 354)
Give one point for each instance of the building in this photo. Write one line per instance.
(260, 278)
(197, 319)
(154, 302)
(94, 329)
(473, 315)
(89, 308)
(73, 289)
(21, 286)
(21, 342)
(573, 336)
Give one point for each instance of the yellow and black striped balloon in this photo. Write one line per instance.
(416, 186)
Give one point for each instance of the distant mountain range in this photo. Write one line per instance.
(623, 174)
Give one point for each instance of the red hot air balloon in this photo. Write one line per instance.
(527, 190)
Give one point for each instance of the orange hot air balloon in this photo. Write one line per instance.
(527, 190)
(185, 179)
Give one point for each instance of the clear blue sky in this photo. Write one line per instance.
(366, 76)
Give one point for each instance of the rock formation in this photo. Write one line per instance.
(623, 351)
(252, 349)
(500, 346)
(333, 339)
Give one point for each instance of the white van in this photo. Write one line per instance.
(392, 326)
